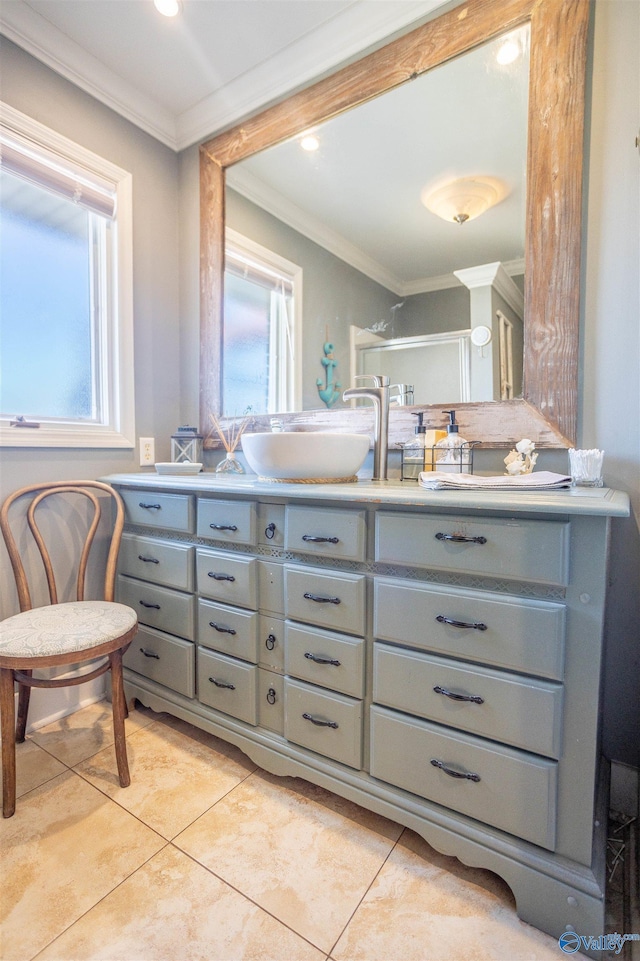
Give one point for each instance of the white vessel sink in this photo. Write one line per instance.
(306, 457)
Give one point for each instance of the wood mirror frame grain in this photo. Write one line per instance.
(547, 411)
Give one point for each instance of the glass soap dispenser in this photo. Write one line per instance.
(413, 459)
(453, 452)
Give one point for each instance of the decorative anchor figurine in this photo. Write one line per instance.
(330, 393)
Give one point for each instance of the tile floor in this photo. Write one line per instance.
(207, 857)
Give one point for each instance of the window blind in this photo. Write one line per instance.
(59, 176)
(242, 266)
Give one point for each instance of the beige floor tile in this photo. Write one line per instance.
(64, 849)
(34, 767)
(303, 854)
(174, 777)
(424, 906)
(80, 735)
(173, 908)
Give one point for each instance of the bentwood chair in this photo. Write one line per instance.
(60, 633)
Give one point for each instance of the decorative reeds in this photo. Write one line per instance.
(230, 437)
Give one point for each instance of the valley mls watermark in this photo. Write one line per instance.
(570, 942)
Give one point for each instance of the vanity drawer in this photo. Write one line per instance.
(168, 660)
(231, 521)
(228, 685)
(228, 629)
(340, 534)
(271, 701)
(169, 610)
(511, 632)
(271, 642)
(504, 707)
(231, 578)
(335, 601)
(335, 661)
(506, 547)
(514, 791)
(148, 508)
(151, 559)
(324, 722)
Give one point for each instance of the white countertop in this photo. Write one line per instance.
(599, 501)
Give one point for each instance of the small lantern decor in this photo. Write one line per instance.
(186, 446)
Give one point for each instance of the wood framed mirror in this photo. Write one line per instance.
(547, 410)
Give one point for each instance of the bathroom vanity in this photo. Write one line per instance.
(433, 656)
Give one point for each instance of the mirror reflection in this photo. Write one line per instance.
(396, 245)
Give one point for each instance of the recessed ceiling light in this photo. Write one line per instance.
(168, 8)
(508, 51)
(309, 142)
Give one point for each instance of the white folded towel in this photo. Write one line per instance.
(542, 480)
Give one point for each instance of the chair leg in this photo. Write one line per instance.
(7, 730)
(24, 694)
(118, 708)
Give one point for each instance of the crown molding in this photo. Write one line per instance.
(26, 28)
(293, 216)
(494, 275)
(345, 36)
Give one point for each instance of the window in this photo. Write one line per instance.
(262, 298)
(66, 337)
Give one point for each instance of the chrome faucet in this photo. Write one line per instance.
(378, 394)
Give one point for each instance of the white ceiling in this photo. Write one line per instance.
(186, 78)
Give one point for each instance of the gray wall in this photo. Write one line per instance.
(433, 312)
(609, 409)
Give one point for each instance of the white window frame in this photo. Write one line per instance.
(286, 397)
(116, 374)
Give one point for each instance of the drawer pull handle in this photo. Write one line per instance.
(226, 684)
(149, 654)
(319, 659)
(474, 625)
(221, 629)
(270, 642)
(319, 722)
(472, 698)
(148, 560)
(447, 770)
(221, 577)
(320, 540)
(156, 607)
(151, 507)
(461, 539)
(272, 697)
(321, 600)
(270, 531)
(223, 527)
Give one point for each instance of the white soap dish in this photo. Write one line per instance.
(181, 467)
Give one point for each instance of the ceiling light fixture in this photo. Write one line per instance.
(168, 8)
(464, 199)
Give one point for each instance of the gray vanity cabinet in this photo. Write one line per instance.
(434, 656)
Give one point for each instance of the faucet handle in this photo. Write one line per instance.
(379, 380)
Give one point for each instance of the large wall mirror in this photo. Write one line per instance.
(388, 280)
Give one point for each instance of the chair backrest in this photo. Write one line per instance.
(39, 492)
